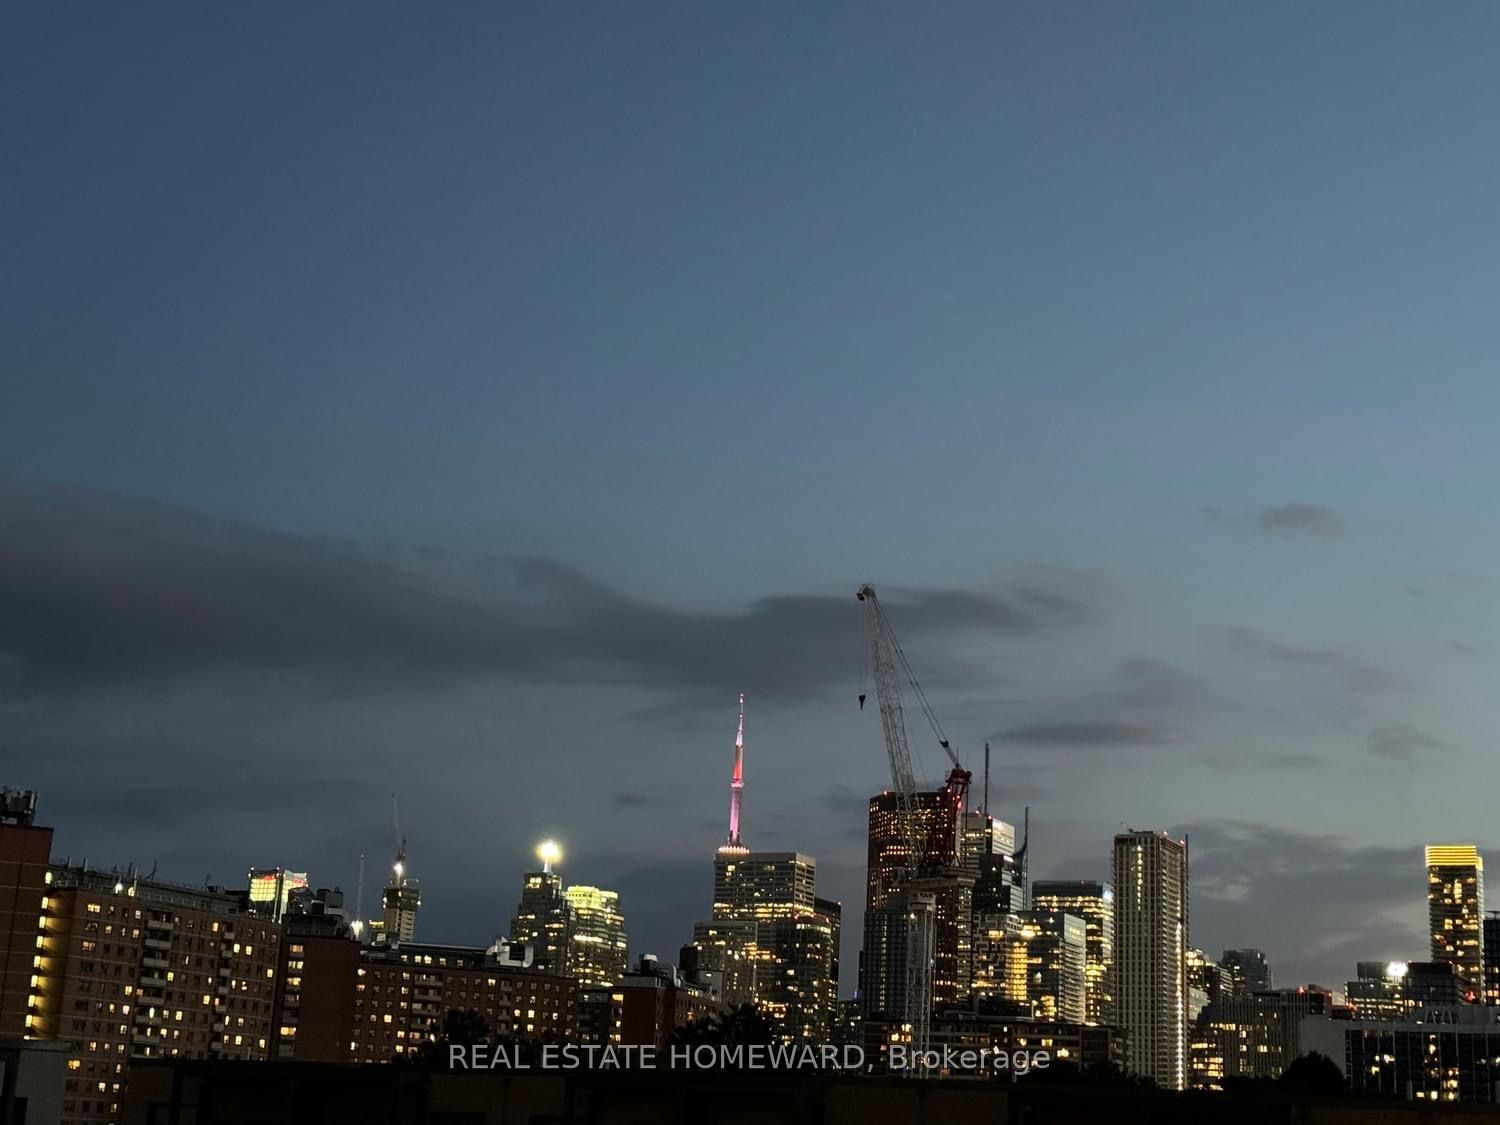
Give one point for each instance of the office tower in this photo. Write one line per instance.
(728, 949)
(989, 852)
(1151, 942)
(1057, 967)
(1248, 970)
(543, 916)
(1252, 1034)
(1455, 910)
(1435, 983)
(1207, 981)
(951, 902)
(1378, 991)
(25, 855)
(271, 890)
(770, 928)
(1492, 960)
(343, 1002)
(598, 949)
(800, 994)
(1094, 902)
(1002, 962)
(762, 885)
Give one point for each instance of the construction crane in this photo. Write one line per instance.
(926, 855)
(398, 869)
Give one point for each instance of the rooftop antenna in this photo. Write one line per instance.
(358, 925)
(400, 865)
(986, 806)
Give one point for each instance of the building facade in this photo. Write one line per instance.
(1252, 1035)
(598, 948)
(888, 901)
(1455, 910)
(772, 939)
(342, 1002)
(1248, 970)
(1094, 902)
(271, 890)
(1438, 1053)
(1151, 941)
(130, 968)
(544, 919)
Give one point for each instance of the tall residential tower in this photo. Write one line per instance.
(1455, 910)
(1151, 942)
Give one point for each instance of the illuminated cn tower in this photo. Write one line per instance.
(737, 784)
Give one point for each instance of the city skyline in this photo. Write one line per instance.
(479, 436)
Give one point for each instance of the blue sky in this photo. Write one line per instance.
(1177, 312)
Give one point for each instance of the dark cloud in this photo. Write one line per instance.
(1145, 702)
(1085, 732)
(1293, 760)
(1285, 519)
(99, 591)
(1360, 676)
(631, 800)
(1401, 741)
(1354, 902)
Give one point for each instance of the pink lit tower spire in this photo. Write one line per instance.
(737, 783)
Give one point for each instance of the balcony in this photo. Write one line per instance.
(153, 942)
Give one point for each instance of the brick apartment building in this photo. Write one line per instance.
(124, 968)
(340, 1002)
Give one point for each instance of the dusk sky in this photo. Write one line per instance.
(469, 401)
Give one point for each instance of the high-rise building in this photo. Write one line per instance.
(1207, 981)
(133, 968)
(769, 926)
(1057, 967)
(1094, 902)
(1492, 960)
(25, 873)
(1455, 910)
(1151, 942)
(989, 852)
(543, 916)
(800, 993)
(113, 967)
(950, 895)
(271, 890)
(1248, 970)
(598, 950)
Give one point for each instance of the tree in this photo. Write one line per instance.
(1314, 1074)
(459, 1027)
(743, 1026)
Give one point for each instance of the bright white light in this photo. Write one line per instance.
(400, 869)
(549, 853)
(1396, 969)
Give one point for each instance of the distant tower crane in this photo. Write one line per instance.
(926, 855)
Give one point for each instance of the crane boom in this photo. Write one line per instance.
(939, 847)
